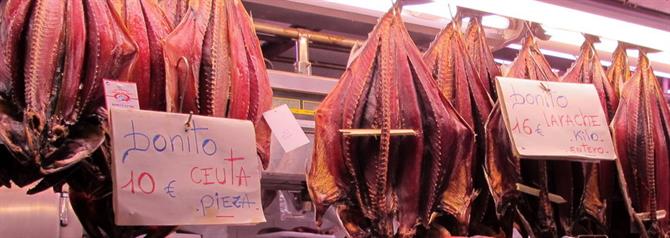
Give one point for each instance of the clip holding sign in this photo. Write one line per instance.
(187, 125)
(544, 87)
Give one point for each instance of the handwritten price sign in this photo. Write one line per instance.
(166, 173)
(551, 120)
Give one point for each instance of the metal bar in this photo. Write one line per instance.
(311, 35)
(63, 209)
(301, 83)
(302, 64)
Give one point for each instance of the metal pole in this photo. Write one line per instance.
(311, 35)
(302, 64)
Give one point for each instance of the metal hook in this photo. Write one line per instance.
(529, 29)
(544, 87)
(182, 82)
(187, 125)
(451, 14)
(396, 7)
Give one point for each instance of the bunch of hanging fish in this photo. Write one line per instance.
(477, 190)
(385, 178)
(641, 129)
(199, 56)
(461, 83)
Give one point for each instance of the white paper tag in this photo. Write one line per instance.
(285, 128)
(121, 94)
(555, 120)
(166, 173)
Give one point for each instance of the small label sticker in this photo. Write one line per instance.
(285, 128)
(121, 94)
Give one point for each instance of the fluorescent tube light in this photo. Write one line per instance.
(495, 21)
(573, 20)
(565, 25)
(546, 52)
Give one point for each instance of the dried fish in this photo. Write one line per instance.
(641, 133)
(370, 179)
(458, 81)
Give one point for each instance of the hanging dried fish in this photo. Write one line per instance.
(371, 179)
(250, 92)
(642, 135)
(158, 27)
(182, 50)
(55, 55)
(619, 71)
(457, 80)
(504, 170)
(590, 215)
(136, 25)
(482, 58)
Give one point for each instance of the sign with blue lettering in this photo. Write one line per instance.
(552, 120)
(172, 169)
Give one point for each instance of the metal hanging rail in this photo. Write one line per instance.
(296, 33)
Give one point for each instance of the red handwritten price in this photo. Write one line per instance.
(525, 128)
(522, 128)
(142, 179)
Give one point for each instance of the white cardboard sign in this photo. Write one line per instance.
(552, 120)
(121, 94)
(167, 173)
(285, 128)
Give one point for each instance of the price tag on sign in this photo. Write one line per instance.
(170, 172)
(285, 128)
(552, 120)
(120, 94)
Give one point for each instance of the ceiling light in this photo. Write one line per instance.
(607, 45)
(435, 14)
(546, 52)
(662, 74)
(574, 20)
(632, 52)
(547, 14)
(563, 36)
(495, 21)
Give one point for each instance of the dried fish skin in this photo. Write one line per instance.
(250, 93)
(13, 22)
(641, 133)
(619, 71)
(503, 169)
(482, 58)
(15, 18)
(45, 50)
(587, 69)
(455, 75)
(182, 51)
(158, 27)
(111, 54)
(215, 73)
(73, 65)
(374, 178)
(136, 25)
